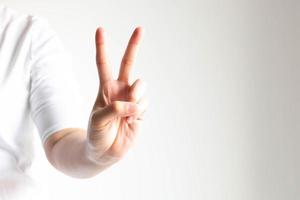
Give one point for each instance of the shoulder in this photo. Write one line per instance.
(23, 23)
(29, 33)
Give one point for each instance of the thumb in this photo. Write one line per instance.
(116, 109)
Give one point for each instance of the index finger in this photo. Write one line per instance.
(101, 60)
(130, 54)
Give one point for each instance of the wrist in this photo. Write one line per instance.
(95, 156)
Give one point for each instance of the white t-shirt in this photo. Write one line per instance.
(37, 89)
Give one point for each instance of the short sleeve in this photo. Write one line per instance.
(55, 100)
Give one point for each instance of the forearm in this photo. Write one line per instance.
(71, 156)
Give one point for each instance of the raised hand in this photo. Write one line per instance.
(119, 106)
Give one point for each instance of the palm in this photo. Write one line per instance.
(119, 134)
(113, 135)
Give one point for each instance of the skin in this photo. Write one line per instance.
(113, 123)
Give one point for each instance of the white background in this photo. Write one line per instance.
(224, 86)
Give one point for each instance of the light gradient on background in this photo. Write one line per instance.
(224, 84)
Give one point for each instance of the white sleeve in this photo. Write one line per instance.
(55, 100)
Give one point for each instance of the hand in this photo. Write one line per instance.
(119, 106)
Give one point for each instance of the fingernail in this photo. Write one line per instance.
(131, 108)
(139, 94)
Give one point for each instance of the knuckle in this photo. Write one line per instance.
(116, 106)
(132, 96)
(127, 61)
(101, 62)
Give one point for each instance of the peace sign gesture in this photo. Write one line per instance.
(118, 109)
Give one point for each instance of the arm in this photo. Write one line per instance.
(113, 122)
(66, 151)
